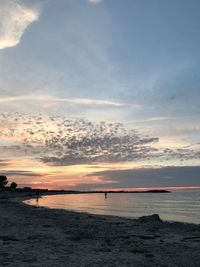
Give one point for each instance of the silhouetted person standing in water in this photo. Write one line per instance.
(105, 195)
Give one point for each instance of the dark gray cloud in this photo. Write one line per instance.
(150, 177)
(106, 147)
(5, 163)
(21, 173)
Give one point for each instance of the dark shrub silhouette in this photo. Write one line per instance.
(27, 189)
(3, 181)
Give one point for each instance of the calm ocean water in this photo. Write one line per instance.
(183, 206)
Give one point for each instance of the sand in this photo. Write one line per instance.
(34, 236)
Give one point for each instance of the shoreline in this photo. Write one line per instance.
(37, 236)
(90, 210)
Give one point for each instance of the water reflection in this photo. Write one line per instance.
(177, 206)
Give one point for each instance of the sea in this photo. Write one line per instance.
(179, 205)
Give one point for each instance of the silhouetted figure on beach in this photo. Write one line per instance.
(37, 196)
(13, 186)
(105, 195)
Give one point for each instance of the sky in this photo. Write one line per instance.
(100, 94)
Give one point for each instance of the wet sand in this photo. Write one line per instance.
(33, 236)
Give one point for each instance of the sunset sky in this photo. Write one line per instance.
(100, 94)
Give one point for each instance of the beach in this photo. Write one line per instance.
(34, 236)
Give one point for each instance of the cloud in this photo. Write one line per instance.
(95, 1)
(171, 176)
(15, 18)
(64, 141)
(75, 101)
(21, 173)
(61, 141)
(5, 163)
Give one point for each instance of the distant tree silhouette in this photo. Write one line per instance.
(13, 186)
(3, 181)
